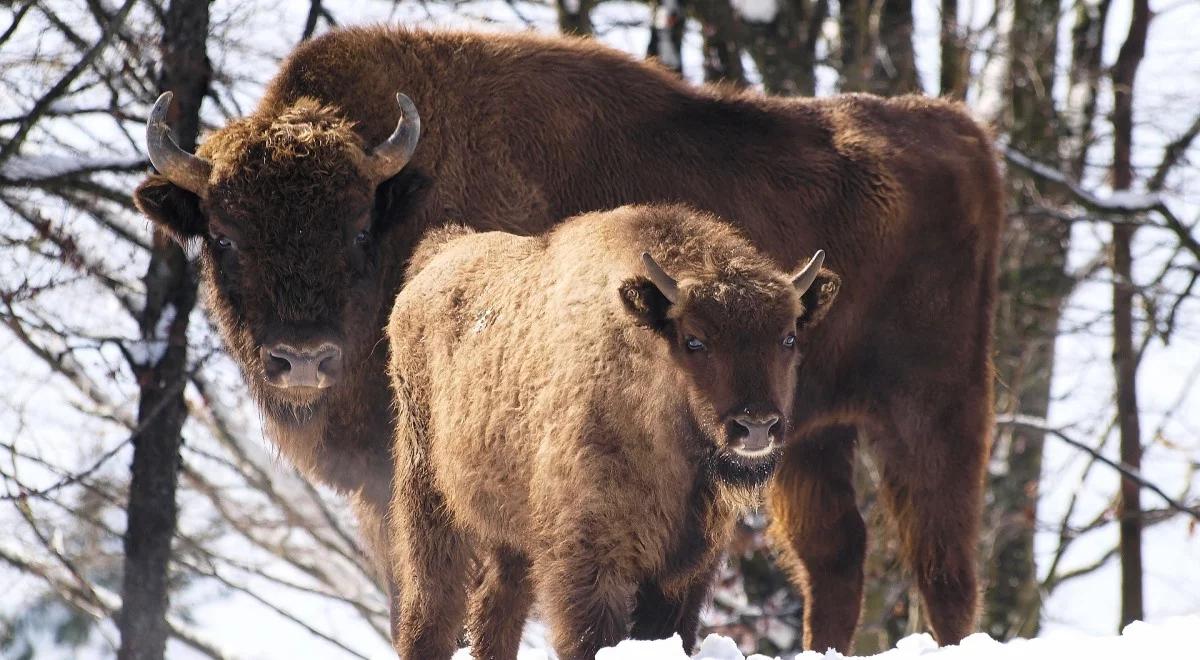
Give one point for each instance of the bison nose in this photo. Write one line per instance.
(316, 366)
(760, 434)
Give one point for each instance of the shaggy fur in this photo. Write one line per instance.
(520, 131)
(550, 417)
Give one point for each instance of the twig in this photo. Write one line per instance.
(1037, 424)
(43, 104)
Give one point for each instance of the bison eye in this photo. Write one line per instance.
(693, 344)
(223, 242)
(362, 238)
(789, 341)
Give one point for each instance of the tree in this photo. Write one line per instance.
(162, 375)
(1124, 74)
(1033, 285)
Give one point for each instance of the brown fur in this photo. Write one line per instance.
(521, 131)
(551, 418)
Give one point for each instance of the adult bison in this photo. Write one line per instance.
(308, 209)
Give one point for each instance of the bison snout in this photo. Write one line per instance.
(760, 436)
(316, 366)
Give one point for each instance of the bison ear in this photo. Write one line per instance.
(817, 300)
(645, 303)
(172, 209)
(398, 198)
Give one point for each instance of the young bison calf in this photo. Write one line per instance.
(583, 412)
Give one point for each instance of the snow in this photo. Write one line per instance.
(1175, 638)
(756, 11)
(150, 351)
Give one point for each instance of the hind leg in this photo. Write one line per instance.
(819, 534)
(933, 460)
(499, 606)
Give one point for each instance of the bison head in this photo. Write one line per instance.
(733, 334)
(286, 212)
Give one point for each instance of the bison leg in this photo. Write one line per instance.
(657, 615)
(585, 602)
(933, 468)
(819, 534)
(500, 606)
(430, 564)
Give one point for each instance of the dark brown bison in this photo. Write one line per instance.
(589, 418)
(304, 238)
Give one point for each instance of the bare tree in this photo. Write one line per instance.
(170, 285)
(1124, 355)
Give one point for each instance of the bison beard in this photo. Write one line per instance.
(736, 472)
(905, 193)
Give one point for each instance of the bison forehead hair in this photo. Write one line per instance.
(317, 135)
(723, 278)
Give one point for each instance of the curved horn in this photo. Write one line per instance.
(808, 274)
(665, 283)
(391, 155)
(181, 168)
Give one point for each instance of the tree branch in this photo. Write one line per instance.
(1040, 425)
(60, 88)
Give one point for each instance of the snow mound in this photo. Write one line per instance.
(1174, 639)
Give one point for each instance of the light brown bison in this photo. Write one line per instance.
(587, 418)
(304, 239)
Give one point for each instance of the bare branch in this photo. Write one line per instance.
(60, 88)
(1130, 473)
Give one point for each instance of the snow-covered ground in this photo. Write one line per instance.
(1177, 638)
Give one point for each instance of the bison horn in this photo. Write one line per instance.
(665, 283)
(181, 168)
(808, 274)
(394, 153)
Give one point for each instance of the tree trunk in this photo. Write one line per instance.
(1124, 353)
(785, 49)
(1033, 285)
(722, 41)
(170, 296)
(666, 34)
(952, 78)
(854, 26)
(574, 17)
(1087, 41)
(895, 70)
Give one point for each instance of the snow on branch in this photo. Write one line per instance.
(1122, 201)
(1117, 203)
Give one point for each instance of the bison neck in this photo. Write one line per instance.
(344, 444)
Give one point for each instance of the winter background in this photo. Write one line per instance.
(266, 565)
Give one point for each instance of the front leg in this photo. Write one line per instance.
(658, 615)
(430, 565)
(500, 605)
(586, 600)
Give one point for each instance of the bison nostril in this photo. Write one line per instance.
(287, 366)
(276, 363)
(751, 423)
(330, 361)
